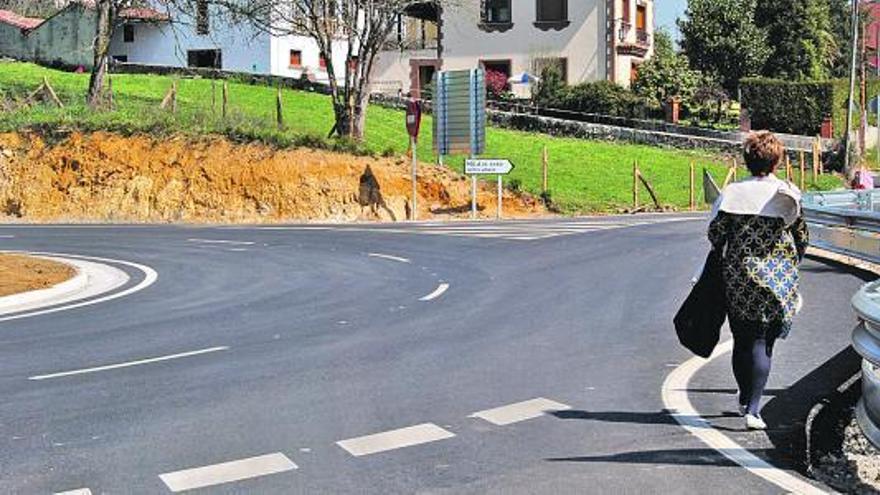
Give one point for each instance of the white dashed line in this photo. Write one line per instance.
(395, 439)
(388, 257)
(222, 241)
(7, 236)
(437, 293)
(227, 472)
(675, 398)
(128, 364)
(520, 411)
(78, 491)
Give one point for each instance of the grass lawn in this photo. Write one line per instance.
(584, 176)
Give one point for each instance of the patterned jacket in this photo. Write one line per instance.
(760, 267)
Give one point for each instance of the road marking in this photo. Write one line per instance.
(437, 293)
(676, 399)
(129, 363)
(520, 411)
(150, 277)
(222, 241)
(7, 236)
(388, 257)
(237, 250)
(395, 439)
(79, 491)
(227, 472)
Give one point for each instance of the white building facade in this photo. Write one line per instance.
(587, 40)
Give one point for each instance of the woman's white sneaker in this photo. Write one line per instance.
(755, 423)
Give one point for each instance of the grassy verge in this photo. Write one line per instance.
(584, 176)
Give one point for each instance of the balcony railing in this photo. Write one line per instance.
(643, 37)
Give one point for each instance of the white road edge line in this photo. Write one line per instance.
(389, 257)
(675, 399)
(128, 364)
(394, 439)
(437, 293)
(150, 277)
(78, 491)
(227, 472)
(222, 241)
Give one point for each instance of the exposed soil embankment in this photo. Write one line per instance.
(20, 273)
(104, 177)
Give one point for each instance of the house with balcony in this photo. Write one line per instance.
(586, 40)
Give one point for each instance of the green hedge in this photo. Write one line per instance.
(798, 107)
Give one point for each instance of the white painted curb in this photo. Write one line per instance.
(43, 297)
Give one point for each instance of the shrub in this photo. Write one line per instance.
(603, 97)
(798, 107)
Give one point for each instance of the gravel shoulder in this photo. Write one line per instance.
(20, 273)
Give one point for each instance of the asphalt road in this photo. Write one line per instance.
(304, 337)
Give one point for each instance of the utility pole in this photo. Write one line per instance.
(848, 158)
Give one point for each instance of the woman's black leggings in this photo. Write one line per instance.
(751, 367)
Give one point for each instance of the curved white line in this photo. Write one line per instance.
(388, 257)
(437, 292)
(675, 398)
(150, 277)
(129, 364)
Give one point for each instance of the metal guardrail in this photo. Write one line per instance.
(848, 223)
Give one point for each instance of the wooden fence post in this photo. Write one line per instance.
(279, 109)
(733, 166)
(817, 158)
(788, 174)
(213, 96)
(110, 90)
(225, 102)
(803, 166)
(635, 178)
(544, 171)
(693, 196)
(174, 96)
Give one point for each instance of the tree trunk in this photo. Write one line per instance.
(103, 34)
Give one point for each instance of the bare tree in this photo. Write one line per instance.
(360, 28)
(108, 11)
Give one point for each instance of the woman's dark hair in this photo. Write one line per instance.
(762, 152)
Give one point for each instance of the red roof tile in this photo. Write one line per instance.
(13, 19)
(143, 14)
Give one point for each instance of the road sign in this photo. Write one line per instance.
(460, 112)
(487, 167)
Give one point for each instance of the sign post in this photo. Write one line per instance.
(413, 122)
(460, 117)
(475, 167)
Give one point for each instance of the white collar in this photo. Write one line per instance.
(761, 196)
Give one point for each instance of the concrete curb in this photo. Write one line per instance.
(45, 297)
(91, 279)
(843, 259)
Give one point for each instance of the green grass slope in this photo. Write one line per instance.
(584, 176)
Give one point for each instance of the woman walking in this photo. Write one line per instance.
(759, 227)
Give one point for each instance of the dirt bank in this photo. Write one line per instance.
(103, 177)
(20, 273)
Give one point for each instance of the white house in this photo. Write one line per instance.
(588, 40)
(159, 35)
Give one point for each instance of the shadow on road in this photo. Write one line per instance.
(681, 457)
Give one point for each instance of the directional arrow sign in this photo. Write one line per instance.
(487, 167)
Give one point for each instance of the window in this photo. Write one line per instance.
(626, 12)
(203, 25)
(128, 33)
(558, 63)
(120, 58)
(210, 59)
(641, 17)
(296, 58)
(497, 12)
(552, 14)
